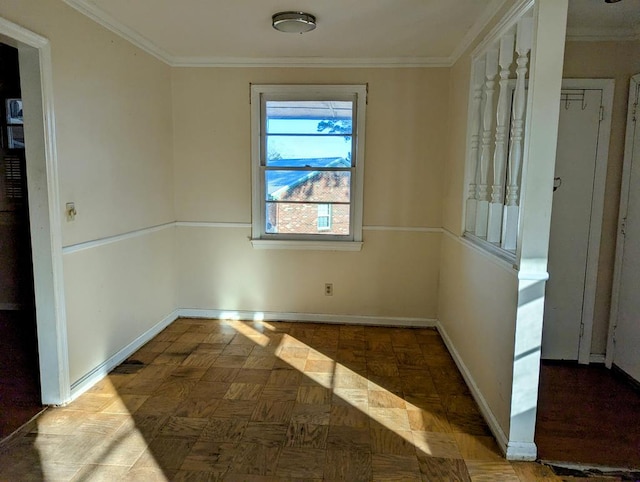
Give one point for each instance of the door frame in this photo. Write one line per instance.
(634, 99)
(36, 82)
(607, 87)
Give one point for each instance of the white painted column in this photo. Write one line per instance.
(474, 151)
(512, 210)
(500, 153)
(545, 82)
(482, 210)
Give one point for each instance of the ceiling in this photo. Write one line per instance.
(349, 32)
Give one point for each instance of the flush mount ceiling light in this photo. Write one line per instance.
(293, 22)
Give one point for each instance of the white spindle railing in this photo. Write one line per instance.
(474, 143)
(494, 151)
(524, 38)
(482, 208)
(500, 152)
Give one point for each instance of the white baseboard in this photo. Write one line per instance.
(488, 415)
(99, 372)
(307, 317)
(597, 359)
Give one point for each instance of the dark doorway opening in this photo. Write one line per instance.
(20, 396)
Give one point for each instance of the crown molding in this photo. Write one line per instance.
(316, 62)
(101, 17)
(476, 29)
(602, 34)
(96, 14)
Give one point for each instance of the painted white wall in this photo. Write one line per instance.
(115, 293)
(396, 272)
(478, 297)
(114, 150)
(395, 275)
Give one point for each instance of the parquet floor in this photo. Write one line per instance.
(258, 401)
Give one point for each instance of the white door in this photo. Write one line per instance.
(573, 202)
(626, 338)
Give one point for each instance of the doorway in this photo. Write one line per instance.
(19, 376)
(36, 85)
(576, 218)
(623, 347)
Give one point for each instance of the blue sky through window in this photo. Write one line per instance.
(311, 146)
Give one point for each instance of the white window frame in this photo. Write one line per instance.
(325, 213)
(261, 239)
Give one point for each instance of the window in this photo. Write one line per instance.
(308, 161)
(324, 217)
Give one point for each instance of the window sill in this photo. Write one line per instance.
(307, 245)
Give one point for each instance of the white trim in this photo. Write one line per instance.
(261, 93)
(485, 410)
(21, 34)
(491, 248)
(315, 62)
(476, 29)
(307, 245)
(102, 18)
(74, 248)
(11, 306)
(98, 373)
(194, 224)
(44, 200)
(596, 358)
(518, 10)
(606, 86)
(403, 229)
(307, 317)
(501, 263)
(634, 89)
(533, 275)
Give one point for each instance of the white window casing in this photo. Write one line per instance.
(324, 237)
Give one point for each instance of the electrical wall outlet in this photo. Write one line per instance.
(328, 289)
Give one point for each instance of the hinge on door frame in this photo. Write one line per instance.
(635, 110)
(623, 226)
(601, 118)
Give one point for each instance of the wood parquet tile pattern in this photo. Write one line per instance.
(257, 401)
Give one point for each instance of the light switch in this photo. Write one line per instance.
(71, 211)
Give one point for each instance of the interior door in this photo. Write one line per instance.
(626, 348)
(570, 222)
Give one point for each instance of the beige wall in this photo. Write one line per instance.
(114, 148)
(478, 299)
(619, 61)
(395, 274)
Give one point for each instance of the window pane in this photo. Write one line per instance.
(308, 186)
(314, 151)
(309, 117)
(288, 218)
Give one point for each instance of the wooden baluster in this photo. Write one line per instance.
(524, 38)
(482, 209)
(500, 153)
(476, 114)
